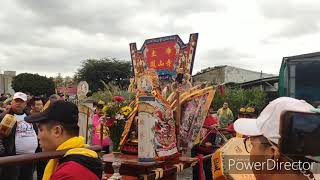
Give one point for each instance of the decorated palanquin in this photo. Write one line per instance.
(168, 111)
(194, 108)
(151, 122)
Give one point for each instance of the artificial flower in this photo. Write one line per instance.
(105, 108)
(101, 102)
(119, 116)
(109, 122)
(118, 99)
(126, 110)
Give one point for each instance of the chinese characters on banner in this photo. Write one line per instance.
(161, 56)
(167, 55)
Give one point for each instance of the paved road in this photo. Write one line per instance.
(185, 174)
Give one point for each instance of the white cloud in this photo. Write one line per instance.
(48, 37)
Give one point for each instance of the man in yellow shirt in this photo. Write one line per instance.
(225, 116)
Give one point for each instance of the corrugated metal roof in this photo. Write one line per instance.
(260, 81)
(308, 55)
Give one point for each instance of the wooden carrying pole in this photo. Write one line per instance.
(87, 124)
(30, 158)
(101, 134)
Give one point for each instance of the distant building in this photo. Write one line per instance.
(6, 81)
(227, 74)
(268, 85)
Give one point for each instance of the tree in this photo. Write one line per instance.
(68, 81)
(95, 72)
(58, 80)
(33, 83)
(110, 91)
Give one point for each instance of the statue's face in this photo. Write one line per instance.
(146, 84)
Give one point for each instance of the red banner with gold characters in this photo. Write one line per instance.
(167, 55)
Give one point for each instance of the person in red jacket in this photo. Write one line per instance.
(58, 130)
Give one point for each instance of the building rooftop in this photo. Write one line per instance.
(223, 66)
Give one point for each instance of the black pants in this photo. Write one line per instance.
(21, 172)
(207, 166)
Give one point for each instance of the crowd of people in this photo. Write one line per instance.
(22, 105)
(44, 126)
(53, 125)
(23, 138)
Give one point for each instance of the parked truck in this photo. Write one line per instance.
(299, 77)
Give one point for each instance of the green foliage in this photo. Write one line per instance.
(238, 98)
(116, 113)
(107, 70)
(116, 109)
(58, 80)
(115, 134)
(109, 91)
(33, 83)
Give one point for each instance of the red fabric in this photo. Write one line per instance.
(221, 89)
(210, 120)
(200, 158)
(73, 171)
(230, 127)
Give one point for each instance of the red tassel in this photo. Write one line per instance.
(200, 158)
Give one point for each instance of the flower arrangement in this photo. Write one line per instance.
(116, 114)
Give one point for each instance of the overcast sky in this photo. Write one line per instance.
(52, 36)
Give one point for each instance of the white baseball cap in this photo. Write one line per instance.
(20, 95)
(268, 122)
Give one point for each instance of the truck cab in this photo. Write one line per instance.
(299, 77)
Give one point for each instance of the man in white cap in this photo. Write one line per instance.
(263, 135)
(21, 140)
